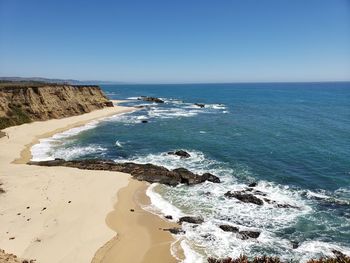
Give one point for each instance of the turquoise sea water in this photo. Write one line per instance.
(293, 139)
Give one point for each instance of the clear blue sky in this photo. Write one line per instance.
(176, 40)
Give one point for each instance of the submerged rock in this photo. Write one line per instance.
(279, 205)
(244, 197)
(249, 234)
(181, 153)
(191, 219)
(152, 99)
(142, 172)
(253, 184)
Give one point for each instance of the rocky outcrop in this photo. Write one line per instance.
(181, 153)
(228, 228)
(142, 172)
(33, 102)
(247, 196)
(151, 99)
(200, 105)
(191, 219)
(249, 234)
(175, 230)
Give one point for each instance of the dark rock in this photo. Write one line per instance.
(249, 234)
(175, 230)
(181, 153)
(211, 178)
(295, 244)
(132, 210)
(109, 104)
(253, 184)
(201, 105)
(191, 219)
(169, 217)
(228, 228)
(152, 99)
(144, 121)
(142, 172)
(244, 197)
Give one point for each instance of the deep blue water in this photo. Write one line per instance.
(292, 138)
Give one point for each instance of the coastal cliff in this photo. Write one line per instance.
(25, 103)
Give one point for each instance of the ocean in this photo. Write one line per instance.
(293, 139)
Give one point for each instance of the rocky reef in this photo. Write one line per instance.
(25, 103)
(151, 99)
(142, 172)
(338, 257)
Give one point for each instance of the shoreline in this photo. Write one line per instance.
(49, 209)
(142, 237)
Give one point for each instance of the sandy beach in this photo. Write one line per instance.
(60, 214)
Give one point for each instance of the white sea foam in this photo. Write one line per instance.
(166, 113)
(133, 98)
(118, 144)
(163, 207)
(191, 256)
(76, 152)
(41, 151)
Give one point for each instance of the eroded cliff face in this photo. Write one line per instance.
(24, 104)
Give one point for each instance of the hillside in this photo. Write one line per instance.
(23, 102)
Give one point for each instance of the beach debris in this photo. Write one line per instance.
(132, 210)
(44, 208)
(28, 207)
(11, 238)
(181, 153)
(28, 219)
(244, 197)
(152, 99)
(175, 230)
(142, 172)
(229, 228)
(201, 105)
(191, 219)
(69, 202)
